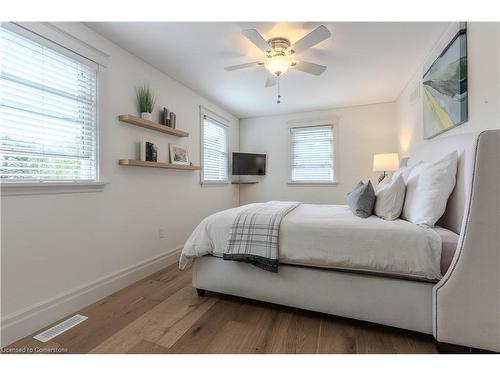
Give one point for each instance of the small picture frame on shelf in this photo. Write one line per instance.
(179, 155)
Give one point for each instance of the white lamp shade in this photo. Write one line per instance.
(278, 65)
(385, 162)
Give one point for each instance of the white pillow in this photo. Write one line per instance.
(405, 172)
(386, 180)
(428, 188)
(390, 198)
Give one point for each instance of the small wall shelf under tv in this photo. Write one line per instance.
(151, 125)
(244, 182)
(154, 164)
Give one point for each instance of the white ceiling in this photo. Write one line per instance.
(367, 62)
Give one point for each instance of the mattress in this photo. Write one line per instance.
(330, 236)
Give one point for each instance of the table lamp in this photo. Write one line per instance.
(385, 163)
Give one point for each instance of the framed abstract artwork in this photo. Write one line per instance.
(444, 82)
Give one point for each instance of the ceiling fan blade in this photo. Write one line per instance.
(241, 66)
(271, 81)
(309, 67)
(257, 39)
(314, 37)
(308, 25)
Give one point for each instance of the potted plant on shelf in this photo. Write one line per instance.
(146, 102)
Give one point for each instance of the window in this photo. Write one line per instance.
(312, 154)
(48, 113)
(215, 151)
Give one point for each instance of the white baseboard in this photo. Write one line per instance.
(35, 317)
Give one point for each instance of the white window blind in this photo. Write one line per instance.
(215, 151)
(48, 113)
(312, 154)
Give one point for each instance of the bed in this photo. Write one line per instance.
(442, 281)
(332, 237)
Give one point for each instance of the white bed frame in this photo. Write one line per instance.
(463, 308)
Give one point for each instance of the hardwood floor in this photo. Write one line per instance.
(164, 314)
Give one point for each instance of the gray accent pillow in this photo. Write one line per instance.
(362, 199)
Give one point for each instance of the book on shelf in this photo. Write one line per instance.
(164, 120)
(148, 151)
(172, 119)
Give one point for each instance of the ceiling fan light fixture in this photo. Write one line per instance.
(280, 55)
(278, 64)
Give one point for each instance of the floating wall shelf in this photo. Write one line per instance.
(244, 183)
(154, 164)
(137, 121)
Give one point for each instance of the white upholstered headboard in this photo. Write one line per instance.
(465, 144)
(467, 298)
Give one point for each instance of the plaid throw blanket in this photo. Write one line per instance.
(254, 235)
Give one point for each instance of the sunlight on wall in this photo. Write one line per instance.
(404, 138)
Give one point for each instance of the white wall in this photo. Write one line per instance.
(362, 131)
(483, 45)
(52, 244)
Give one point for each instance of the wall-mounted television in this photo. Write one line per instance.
(245, 164)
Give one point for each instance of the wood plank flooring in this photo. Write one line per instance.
(163, 314)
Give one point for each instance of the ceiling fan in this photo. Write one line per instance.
(280, 54)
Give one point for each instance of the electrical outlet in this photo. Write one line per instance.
(162, 232)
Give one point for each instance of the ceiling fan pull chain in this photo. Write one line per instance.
(279, 90)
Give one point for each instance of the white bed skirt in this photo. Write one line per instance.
(395, 302)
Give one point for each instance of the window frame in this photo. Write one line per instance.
(312, 124)
(219, 120)
(34, 187)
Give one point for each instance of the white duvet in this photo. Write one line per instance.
(330, 236)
